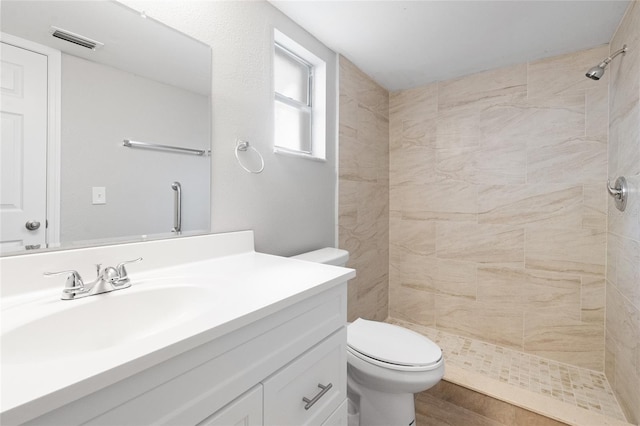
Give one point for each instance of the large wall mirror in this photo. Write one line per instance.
(78, 79)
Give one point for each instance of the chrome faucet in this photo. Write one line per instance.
(107, 280)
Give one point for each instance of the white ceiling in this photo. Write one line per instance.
(404, 44)
(132, 43)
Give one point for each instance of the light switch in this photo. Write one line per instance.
(99, 195)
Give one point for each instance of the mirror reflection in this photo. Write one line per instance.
(78, 79)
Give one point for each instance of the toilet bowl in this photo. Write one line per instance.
(386, 364)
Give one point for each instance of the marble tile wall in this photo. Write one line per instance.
(498, 213)
(363, 223)
(622, 354)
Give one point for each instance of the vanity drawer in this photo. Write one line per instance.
(323, 365)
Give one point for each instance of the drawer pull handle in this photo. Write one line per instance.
(310, 402)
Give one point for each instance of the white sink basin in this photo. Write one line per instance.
(74, 327)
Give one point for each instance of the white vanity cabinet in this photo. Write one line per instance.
(210, 332)
(281, 392)
(257, 374)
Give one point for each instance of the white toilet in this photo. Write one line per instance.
(386, 364)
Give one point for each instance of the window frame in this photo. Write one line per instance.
(307, 107)
(317, 97)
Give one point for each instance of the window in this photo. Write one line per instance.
(293, 80)
(299, 99)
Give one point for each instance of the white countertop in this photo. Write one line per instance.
(245, 288)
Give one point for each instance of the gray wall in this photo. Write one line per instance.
(101, 106)
(291, 206)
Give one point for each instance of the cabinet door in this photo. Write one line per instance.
(308, 390)
(340, 417)
(246, 410)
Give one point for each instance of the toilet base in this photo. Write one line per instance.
(380, 408)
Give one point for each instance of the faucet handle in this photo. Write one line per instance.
(122, 271)
(72, 286)
(108, 274)
(74, 280)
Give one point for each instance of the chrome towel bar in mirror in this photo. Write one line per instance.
(146, 145)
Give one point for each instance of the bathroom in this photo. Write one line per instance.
(497, 226)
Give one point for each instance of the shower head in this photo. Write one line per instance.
(595, 73)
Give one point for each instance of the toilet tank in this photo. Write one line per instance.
(328, 255)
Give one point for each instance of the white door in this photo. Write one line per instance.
(23, 156)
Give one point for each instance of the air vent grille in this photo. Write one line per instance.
(75, 38)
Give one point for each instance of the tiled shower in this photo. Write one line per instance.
(498, 223)
(509, 207)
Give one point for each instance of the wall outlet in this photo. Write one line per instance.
(99, 195)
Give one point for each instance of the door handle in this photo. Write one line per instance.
(32, 225)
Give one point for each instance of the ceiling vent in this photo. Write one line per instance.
(75, 38)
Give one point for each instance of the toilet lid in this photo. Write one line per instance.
(392, 344)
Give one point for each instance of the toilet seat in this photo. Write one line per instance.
(392, 347)
(397, 367)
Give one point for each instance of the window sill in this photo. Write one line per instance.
(288, 153)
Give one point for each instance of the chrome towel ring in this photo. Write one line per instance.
(244, 146)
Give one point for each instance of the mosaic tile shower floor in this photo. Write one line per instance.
(581, 387)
